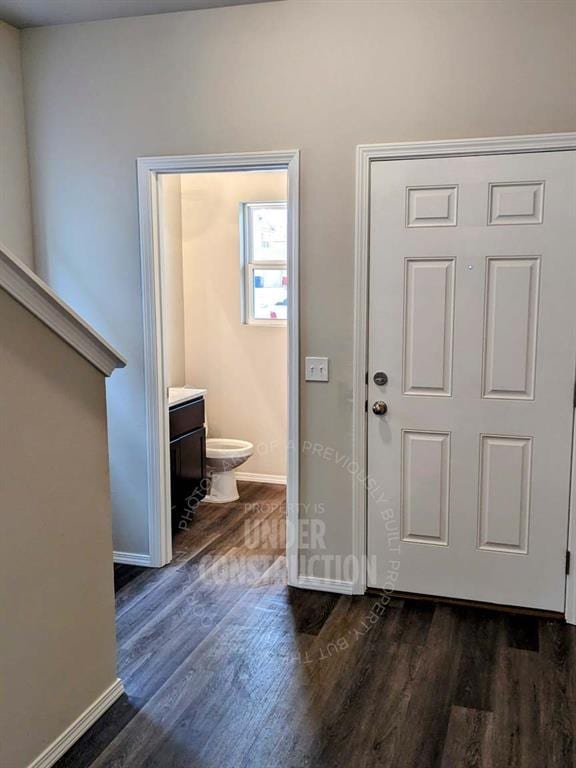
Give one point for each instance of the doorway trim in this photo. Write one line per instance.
(157, 427)
(366, 154)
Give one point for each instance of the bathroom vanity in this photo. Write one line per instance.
(187, 451)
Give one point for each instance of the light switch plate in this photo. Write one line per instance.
(316, 369)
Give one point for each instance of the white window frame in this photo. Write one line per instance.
(248, 265)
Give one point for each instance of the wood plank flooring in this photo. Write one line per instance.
(226, 667)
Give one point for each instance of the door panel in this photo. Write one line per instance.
(472, 279)
(511, 326)
(518, 203)
(428, 324)
(425, 486)
(431, 206)
(505, 479)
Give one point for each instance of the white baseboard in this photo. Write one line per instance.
(252, 477)
(132, 558)
(71, 735)
(326, 585)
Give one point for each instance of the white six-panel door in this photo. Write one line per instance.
(472, 318)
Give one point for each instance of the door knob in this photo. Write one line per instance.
(379, 408)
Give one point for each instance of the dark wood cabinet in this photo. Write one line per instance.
(174, 469)
(186, 417)
(187, 459)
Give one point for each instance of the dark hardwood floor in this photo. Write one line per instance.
(226, 667)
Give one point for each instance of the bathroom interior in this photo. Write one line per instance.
(223, 243)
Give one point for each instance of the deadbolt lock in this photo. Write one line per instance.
(380, 378)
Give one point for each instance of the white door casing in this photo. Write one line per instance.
(471, 284)
(158, 460)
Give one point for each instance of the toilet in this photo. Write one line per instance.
(223, 455)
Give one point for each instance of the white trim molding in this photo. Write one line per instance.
(33, 293)
(570, 609)
(132, 558)
(366, 154)
(321, 584)
(74, 731)
(158, 460)
(254, 477)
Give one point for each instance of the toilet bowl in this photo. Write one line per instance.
(223, 455)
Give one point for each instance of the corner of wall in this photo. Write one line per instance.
(15, 203)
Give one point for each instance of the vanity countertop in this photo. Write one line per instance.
(179, 395)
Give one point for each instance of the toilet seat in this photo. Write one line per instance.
(223, 447)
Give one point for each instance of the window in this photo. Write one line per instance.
(264, 263)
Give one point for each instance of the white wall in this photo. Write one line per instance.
(243, 367)
(170, 213)
(321, 76)
(15, 218)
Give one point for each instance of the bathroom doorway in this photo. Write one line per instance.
(219, 239)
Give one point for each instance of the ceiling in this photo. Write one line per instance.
(40, 13)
